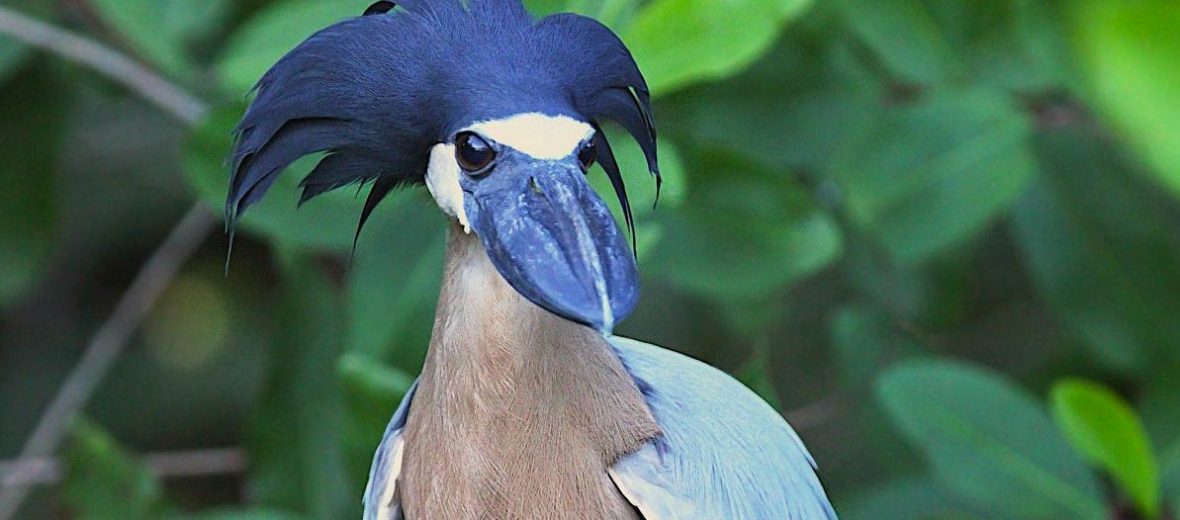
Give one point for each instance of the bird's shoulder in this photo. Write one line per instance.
(724, 452)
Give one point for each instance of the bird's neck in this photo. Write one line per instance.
(493, 352)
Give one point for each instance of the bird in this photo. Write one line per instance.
(527, 406)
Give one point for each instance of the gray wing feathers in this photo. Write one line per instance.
(381, 497)
(725, 453)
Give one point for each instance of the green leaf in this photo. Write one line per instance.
(909, 37)
(1103, 251)
(989, 441)
(679, 42)
(372, 392)
(161, 30)
(1131, 57)
(28, 172)
(807, 114)
(743, 233)
(273, 32)
(103, 482)
(1104, 428)
(394, 283)
(1009, 44)
(928, 176)
(1016, 45)
(911, 498)
(295, 435)
(641, 189)
(327, 222)
(866, 338)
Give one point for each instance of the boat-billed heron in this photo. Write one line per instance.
(527, 406)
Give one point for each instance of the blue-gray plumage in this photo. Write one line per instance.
(527, 406)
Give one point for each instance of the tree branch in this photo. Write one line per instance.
(153, 278)
(178, 464)
(104, 60)
(106, 345)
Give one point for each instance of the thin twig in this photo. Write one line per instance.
(153, 278)
(108, 343)
(107, 61)
(166, 465)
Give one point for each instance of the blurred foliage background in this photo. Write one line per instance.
(942, 236)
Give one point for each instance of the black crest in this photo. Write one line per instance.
(375, 93)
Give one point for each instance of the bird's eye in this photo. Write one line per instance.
(473, 153)
(587, 155)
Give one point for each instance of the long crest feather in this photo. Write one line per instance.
(374, 93)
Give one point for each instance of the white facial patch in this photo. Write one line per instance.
(442, 179)
(538, 135)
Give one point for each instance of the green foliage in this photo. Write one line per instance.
(1132, 60)
(272, 33)
(372, 392)
(678, 42)
(1104, 429)
(1109, 272)
(850, 188)
(297, 459)
(958, 158)
(742, 219)
(989, 441)
(105, 483)
(161, 31)
(27, 204)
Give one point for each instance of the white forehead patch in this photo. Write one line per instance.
(538, 135)
(442, 179)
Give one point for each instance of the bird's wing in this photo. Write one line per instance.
(382, 501)
(724, 453)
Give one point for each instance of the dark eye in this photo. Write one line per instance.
(587, 155)
(473, 153)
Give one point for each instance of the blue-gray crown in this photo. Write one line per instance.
(375, 92)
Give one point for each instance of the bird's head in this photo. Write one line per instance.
(496, 113)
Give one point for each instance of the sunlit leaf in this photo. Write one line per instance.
(678, 42)
(1131, 57)
(1103, 427)
(103, 482)
(989, 441)
(928, 176)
